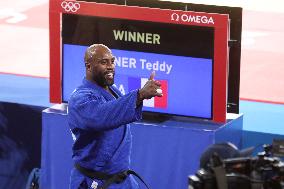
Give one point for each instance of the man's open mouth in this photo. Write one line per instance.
(109, 75)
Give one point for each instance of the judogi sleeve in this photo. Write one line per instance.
(90, 111)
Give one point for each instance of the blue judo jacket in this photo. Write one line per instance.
(102, 138)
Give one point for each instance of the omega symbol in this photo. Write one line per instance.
(175, 17)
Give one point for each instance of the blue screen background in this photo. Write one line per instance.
(189, 80)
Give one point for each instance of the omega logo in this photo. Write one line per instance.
(191, 18)
(175, 17)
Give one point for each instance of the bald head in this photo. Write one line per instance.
(94, 51)
(100, 67)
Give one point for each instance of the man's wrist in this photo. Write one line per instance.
(139, 97)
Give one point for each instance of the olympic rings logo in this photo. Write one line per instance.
(70, 6)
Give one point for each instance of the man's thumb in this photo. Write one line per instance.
(152, 75)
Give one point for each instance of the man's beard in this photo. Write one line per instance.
(102, 81)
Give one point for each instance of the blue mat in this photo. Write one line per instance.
(24, 90)
(263, 117)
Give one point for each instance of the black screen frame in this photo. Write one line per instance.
(68, 35)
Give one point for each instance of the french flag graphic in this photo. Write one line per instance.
(156, 102)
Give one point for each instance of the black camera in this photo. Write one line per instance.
(261, 172)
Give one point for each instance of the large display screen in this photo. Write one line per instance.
(181, 55)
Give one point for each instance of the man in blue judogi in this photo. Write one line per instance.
(98, 115)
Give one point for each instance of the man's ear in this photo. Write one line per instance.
(88, 66)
